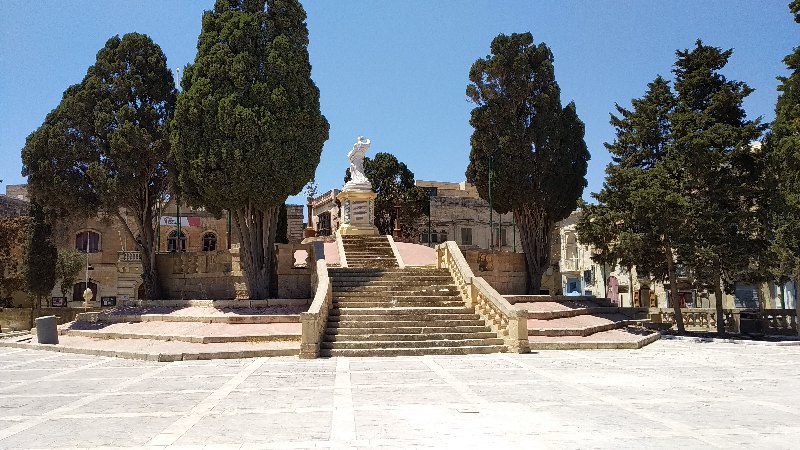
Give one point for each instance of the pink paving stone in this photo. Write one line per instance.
(197, 329)
(577, 322)
(331, 253)
(206, 311)
(416, 255)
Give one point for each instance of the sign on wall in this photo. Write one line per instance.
(172, 221)
(58, 302)
(108, 301)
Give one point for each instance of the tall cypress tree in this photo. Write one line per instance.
(248, 131)
(638, 220)
(718, 169)
(532, 146)
(783, 146)
(105, 147)
(40, 270)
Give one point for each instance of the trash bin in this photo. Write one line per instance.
(47, 330)
(750, 322)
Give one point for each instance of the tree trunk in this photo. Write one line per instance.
(146, 244)
(673, 290)
(718, 301)
(535, 231)
(257, 229)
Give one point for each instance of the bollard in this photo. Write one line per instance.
(47, 330)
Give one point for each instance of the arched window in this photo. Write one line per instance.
(209, 242)
(78, 288)
(175, 243)
(87, 241)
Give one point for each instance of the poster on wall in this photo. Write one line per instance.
(108, 301)
(58, 302)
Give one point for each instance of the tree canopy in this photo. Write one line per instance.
(394, 183)
(248, 131)
(40, 263)
(532, 146)
(104, 148)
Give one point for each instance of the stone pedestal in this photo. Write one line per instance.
(357, 213)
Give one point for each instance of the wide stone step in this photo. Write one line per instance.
(408, 336)
(388, 284)
(396, 304)
(584, 325)
(394, 323)
(393, 277)
(623, 338)
(397, 292)
(408, 270)
(472, 350)
(410, 344)
(411, 311)
(332, 329)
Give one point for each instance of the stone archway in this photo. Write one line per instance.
(78, 288)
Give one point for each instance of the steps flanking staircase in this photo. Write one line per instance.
(582, 323)
(381, 310)
(368, 252)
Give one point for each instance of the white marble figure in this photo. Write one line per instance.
(358, 181)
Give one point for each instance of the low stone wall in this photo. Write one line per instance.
(16, 319)
(200, 275)
(504, 271)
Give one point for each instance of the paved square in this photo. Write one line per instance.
(671, 394)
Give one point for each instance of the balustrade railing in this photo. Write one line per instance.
(508, 322)
(129, 256)
(313, 321)
(769, 321)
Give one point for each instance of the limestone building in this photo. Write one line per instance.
(114, 266)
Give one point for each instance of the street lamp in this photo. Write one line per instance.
(311, 192)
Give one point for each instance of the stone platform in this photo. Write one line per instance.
(175, 333)
(565, 323)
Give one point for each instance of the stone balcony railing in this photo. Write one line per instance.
(129, 257)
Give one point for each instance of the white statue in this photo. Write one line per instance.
(358, 181)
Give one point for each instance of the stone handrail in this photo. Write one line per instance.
(508, 322)
(314, 320)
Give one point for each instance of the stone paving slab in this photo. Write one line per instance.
(671, 394)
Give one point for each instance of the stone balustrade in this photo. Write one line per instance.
(771, 321)
(314, 320)
(129, 257)
(508, 322)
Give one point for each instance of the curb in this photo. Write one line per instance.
(731, 341)
(157, 357)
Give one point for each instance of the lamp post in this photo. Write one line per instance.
(87, 293)
(491, 224)
(396, 231)
(311, 192)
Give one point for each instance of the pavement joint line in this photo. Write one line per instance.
(612, 400)
(343, 420)
(777, 407)
(55, 413)
(177, 429)
(462, 388)
(57, 374)
(22, 363)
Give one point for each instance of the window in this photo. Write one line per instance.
(174, 243)
(443, 236)
(466, 236)
(87, 242)
(324, 224)
(209, 242)
(434, 237)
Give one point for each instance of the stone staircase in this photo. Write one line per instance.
(567, 323)
(368, 252)
(392, 312)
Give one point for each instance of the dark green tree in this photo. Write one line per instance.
(68, 267)
(40, 261)
(532, 145)
(782, 145)
(719, 171)
(104, 148)
(394, 184)
(14, 233)
(248, 131)
(638, 220)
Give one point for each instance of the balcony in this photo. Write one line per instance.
(129, 257)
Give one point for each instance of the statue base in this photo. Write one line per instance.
(357, 213)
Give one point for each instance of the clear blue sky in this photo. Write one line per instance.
(396, 71)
